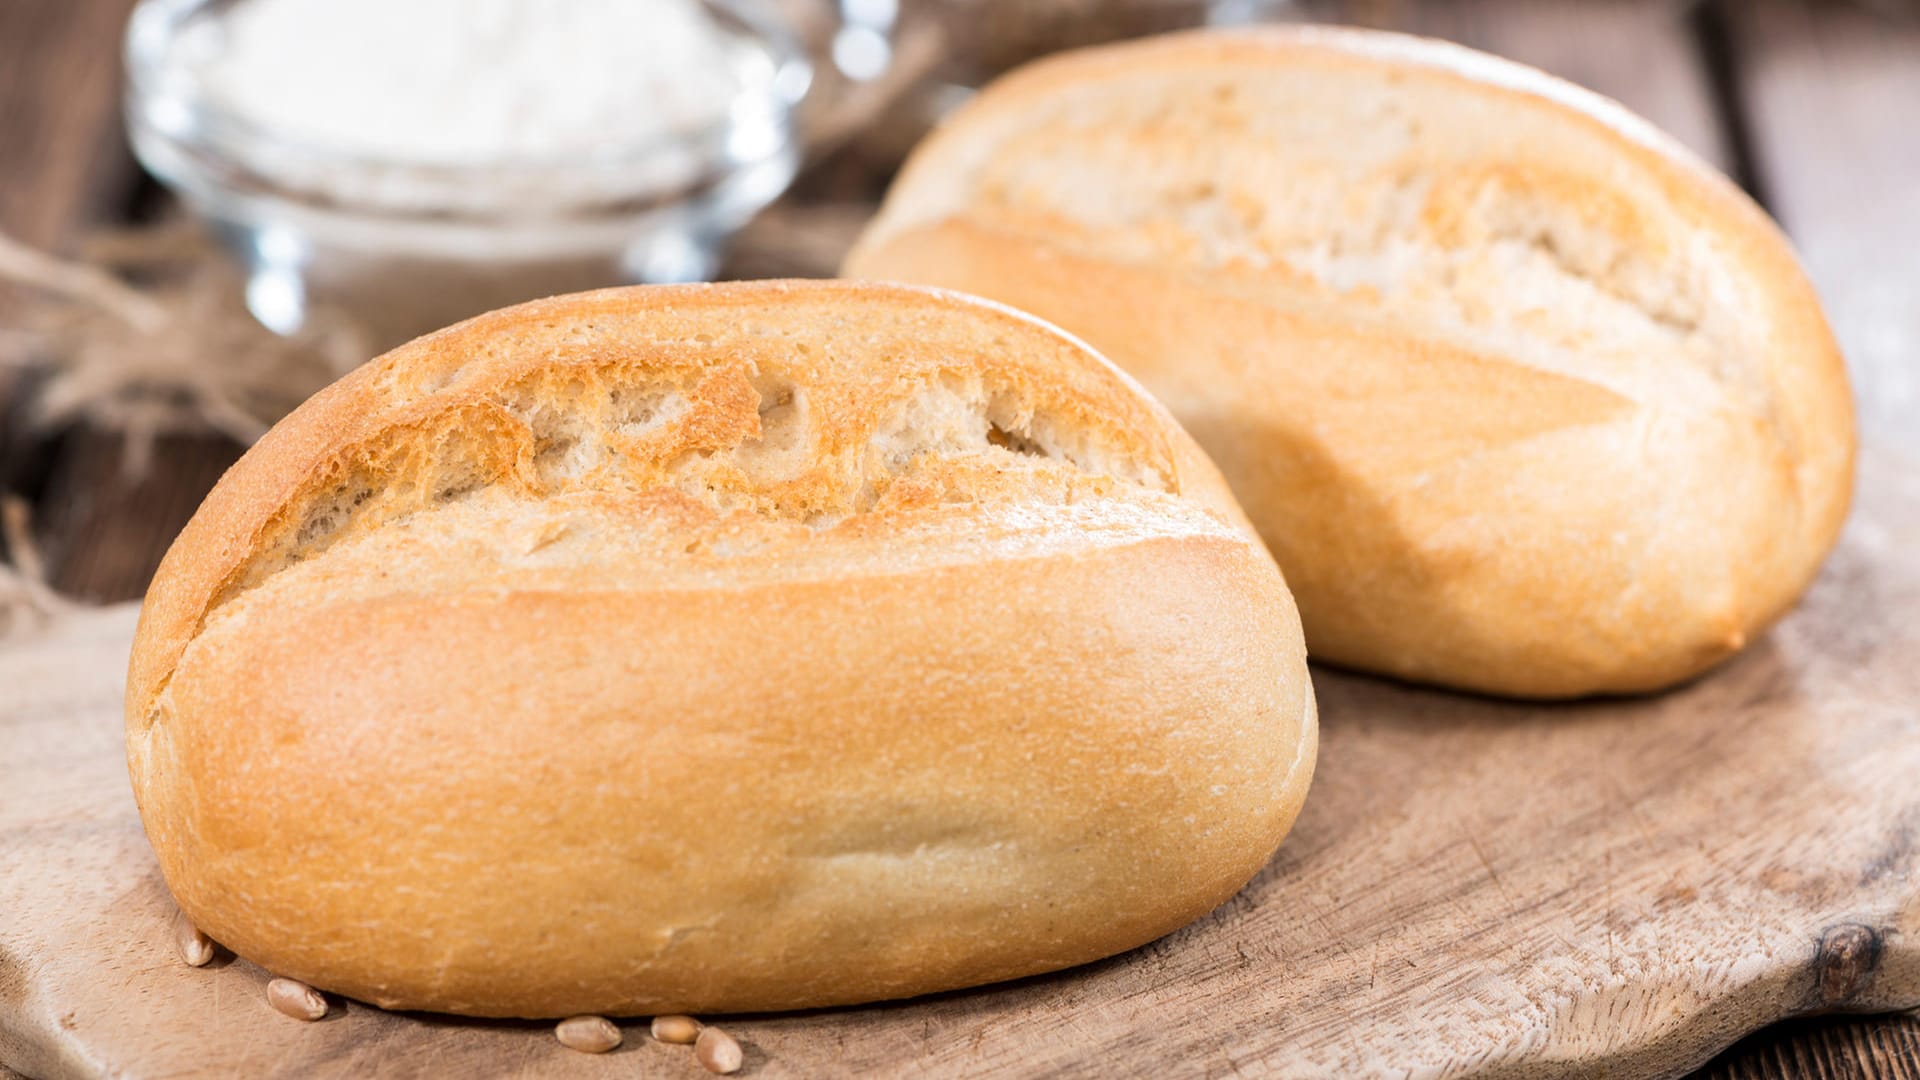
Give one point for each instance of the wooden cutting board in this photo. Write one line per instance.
(1475, 887)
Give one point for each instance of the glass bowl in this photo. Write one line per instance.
(402, 245)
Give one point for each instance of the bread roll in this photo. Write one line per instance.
(715, 648)
(1524, 398)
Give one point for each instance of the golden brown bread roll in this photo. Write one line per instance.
(1523, 397)
(715, 648)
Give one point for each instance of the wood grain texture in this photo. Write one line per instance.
(1826, 91)
(1829, 95)
(65, 166)
(1867, 1048)
(64, 159)
(103, 526)
(56, 55)
(1475, 886)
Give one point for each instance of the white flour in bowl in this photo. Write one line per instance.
(465, 82)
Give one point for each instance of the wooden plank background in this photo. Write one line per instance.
(1808, 104)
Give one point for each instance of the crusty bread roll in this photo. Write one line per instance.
(715, 648)
(1523, 397)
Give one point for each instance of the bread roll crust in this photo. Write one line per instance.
(1523, 397)
(713, 649)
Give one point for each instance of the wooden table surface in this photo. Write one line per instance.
(1806, 104)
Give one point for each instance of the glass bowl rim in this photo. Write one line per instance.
(231, 134)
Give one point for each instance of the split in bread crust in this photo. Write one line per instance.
(1523, 397)
(715, 648)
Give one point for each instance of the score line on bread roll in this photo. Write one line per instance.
(715, 648)
(1524, 398)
